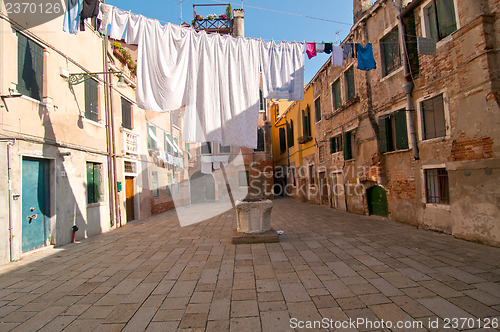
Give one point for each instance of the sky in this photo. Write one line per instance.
(265, 24)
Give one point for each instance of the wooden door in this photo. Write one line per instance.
(129, 198)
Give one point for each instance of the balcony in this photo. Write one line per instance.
(130, 142)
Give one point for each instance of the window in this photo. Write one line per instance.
(411, 43)
(206, 148)
(289, 134)
(350, 88)
(175, 119)
(94, 171)
(317, 109)
(175, 184)
(243, 178)
(392, 132)
(224, 148)
(261, 101)
(311, 175)
(126, 114)
(154, 183)
(282, 140)
(439, 17)
(188, 151)
(29, 68)
(433, 121)
(260, 140)
(348, 145)
(152, 140)
(321, 153)
(169, 184)
(306, 121)
(91, 100)
(436, 186)
(168, 143)
(130, 167)
(336, 95)
(336, 144)
(389, 52)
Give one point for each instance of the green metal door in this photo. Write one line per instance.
(35, 203)
(377, 201)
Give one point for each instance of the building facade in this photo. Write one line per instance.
(60, 167)
(416, 141)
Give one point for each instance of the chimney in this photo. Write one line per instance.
(239, 23)
(359, 7)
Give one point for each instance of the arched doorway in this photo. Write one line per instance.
(377, 201)
(202, 188)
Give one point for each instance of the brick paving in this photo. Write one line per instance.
(154, 275)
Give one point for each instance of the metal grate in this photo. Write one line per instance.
(436, 186)
(130, 167)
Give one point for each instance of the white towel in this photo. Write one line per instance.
(216, 165)
(282, 70)
(337, 56)
(206, 168)
(224, 159)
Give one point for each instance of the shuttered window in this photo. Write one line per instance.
(282, 140)
(91, 100)
(336, 95)
(260, 140)
(29, 68)
(224, 148)
(317, 109)
(393, 134)
(151, 141)
(306, 121)
(433, 120)
(289, 134)
(154, 183)
(440, 19)
(336, 144)
(411, 43)
(168, 148)
(348, 146)
(206, 148)
(390, 52)
(126, 114)
(94, 171)
(176, 143)
(350, 88)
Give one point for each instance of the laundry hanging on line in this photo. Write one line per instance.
(77, 11)
(215, 77)
(366, 61)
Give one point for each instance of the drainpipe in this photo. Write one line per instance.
(108, 135)
(408, 85)
(113, 146)
(11, 214)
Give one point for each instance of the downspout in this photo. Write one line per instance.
(108, 136)
(112, 128)
(11, 214)
(407, 85)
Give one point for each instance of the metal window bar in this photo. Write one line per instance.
(437, 186)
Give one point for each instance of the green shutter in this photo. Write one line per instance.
(347, 146)
(411, 43)
(382, 134)
(282, 140)
(304, 124)
(176, 140)
(90, 183)
(97, 183)
(29, 67)
(401, 131)
(308, 121)
(332, 145)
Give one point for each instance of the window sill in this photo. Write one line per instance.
(396, 151)
(434, 140)
(36, 101)
(130, 131)
(438, 206)
(97, 124)
(395, 72)
(94, 205)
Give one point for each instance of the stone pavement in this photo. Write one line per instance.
(153, 275)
